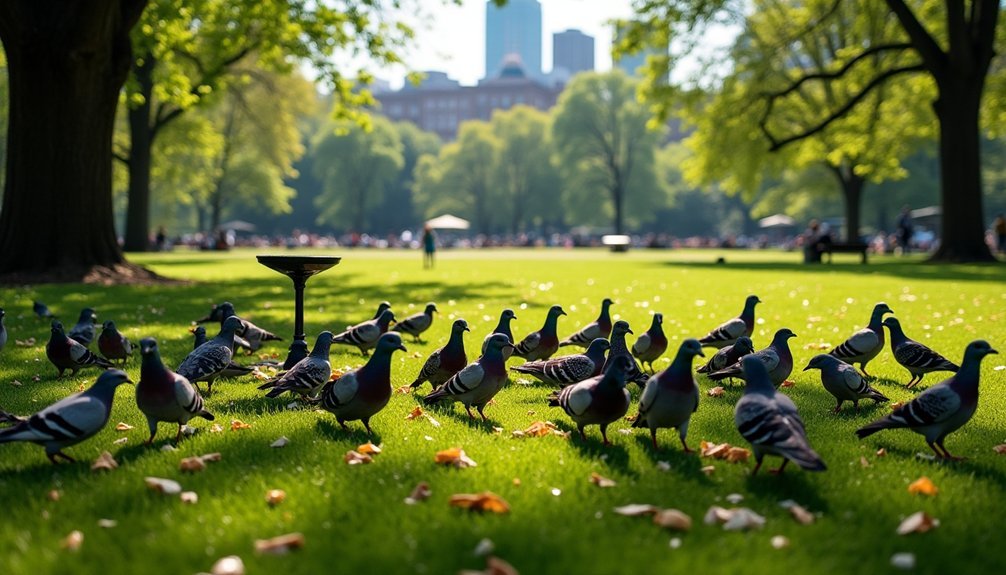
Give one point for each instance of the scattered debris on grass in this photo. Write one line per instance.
(673, 519)
(601, 481)
(486, 501)
(918, 522)
(904, 561)
(799, 512)
(454, 457)
(105, 462)
(354, 457)
(923, 485)
(189, 497)
(274, 497)
(53, 495)
(107, 523)
(779, 542)
(540, 429)
(121, 426)
(368, 449)
(230, 565)
(237, 424)
(73, 541)
(636, 509)
(165, 486)
(735, 519)
(716, 391)
(281, 544)
(421, 492)
(484, 547)
(281, 442)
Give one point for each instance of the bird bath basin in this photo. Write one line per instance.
(298, 269)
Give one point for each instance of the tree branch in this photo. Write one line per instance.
(772, 96)
(933, 57)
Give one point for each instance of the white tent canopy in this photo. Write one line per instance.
(777, 221)
(448, 222)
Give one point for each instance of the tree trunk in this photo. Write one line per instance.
(617, 197)
(962, 237)
(67, 61)
(852, 197)
(141, 141)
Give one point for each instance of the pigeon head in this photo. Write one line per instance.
(199, 331)
(751, 301)
(430, 308)
(148, 345)
(820, 361)
(881, 308)
(108, 325)
(459, 325)
(383, 306)
(658, 319)
(57, 327)
(387, 317)
(598, 345)
(323, 342)
(87, 315)
(783, 335)
(555, 311)
(755, 374)
(388, 343)
(2, 313)
(621, 327)
(231, 325)
(978, 349)
(606, 302)
(744, 345)
(508, 314)
(892, 323)
(691, 347)
(499, 342)
(111, 379)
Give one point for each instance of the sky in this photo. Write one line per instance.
(453, 39)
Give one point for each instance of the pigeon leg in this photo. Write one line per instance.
(366, 424)
(178, 436)
(946, 454)
(838, 407)
(343, 424)
(479, 408)
(583, 435)
(862, 367)
(604, 434)
(63, 455)
(685, 445)
(653, 438)
(469, 410)
(758, 460)
(781, 467)
(935, 449)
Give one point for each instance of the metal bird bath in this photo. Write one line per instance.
(298, 269)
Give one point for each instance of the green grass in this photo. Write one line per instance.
(354, 518)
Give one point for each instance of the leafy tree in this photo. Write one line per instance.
(525, 169)
(952, 43)
(355, 164)
(604, 147)
(396, 211)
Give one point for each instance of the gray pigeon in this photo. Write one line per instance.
(365, 335)
(943, 408)
(310, 373)
(600, 327)
(914, 356)
(671, 396)
(41, 310)
(568, 369)
(215, 315)
(3, 329)
(163, 395)
(112, 344)
(652, 344)
(232, 369)
(728, 332)
(541, 344)
(502, 327)
(777, 359)
(770, 422)
(843, 381)
(729, 355)
(619, 349)
(478, 382)
(84, 330)
(380, 309)
(66, 353)
(298, 351)
(251, 333)
(866, 343)
(599, 400)
(416, 324)
(446, 361)
(208, 361)
(360, 394)
(70, 420)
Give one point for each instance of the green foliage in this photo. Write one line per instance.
(526, 173)
(397, 211)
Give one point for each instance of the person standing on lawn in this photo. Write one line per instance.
(429, 246)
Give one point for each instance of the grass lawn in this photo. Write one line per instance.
(354, 518)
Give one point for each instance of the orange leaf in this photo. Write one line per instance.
(121, 426)
(918, 522)
(105, 462)
(420, 493)
(600, 481)
(738, 455)
(881, 452)
(274, 497)
(368, 449)
(485, 501)
(406, 389)
(192, 464)
(716, 391)
(357, 458)
(538, 429)
(923, 485)
(280, 545)
(455, 457)
(673, 519)
(237, 424)
(1000, 449)
(634, 509)
(416, 412)
(73, 541)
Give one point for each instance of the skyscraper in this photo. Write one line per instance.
(513, 29)
(572, 51)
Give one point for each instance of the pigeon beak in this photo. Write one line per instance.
(993, 351)
(467, 328)
(145, 350)
(401, 346)
(701, 354)
(806, 368)
(630, 331)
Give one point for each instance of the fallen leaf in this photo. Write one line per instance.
(216, 428)
(416, 412)
(53, 495)
(73, 541)
(107, 523)
(274, 497)
(455, 457)
(716, 391)
(779, 542)
(165, 486)
(1000, 449)
(788, 383)
(625, 431)
(497, 430)
(904, 561)
(16, 383)
(230, 565)
(120, 441)
(516, 482)
(664, 466)
(25, 342)
(537, 429)
(123, 426)
(738, 455)
(801, 514)
(189, 497)
(897, 405)
(735, 498)
(714, 450)
(280, 545)
(923, 485)
(485, 501)
(600, 481)
(709, 469)
(281, 442)
(404, 389)
(421, 492)
(494, 566)
(881, 452)
(192, 464)
(105, 462)
(168, 448)
(211, 457)
(918, 522)
(368, 449)
(484, 547)
(237, 424)
(673, 519)
(863, 461)
(734, 519)
(356, 458)
(635, 509)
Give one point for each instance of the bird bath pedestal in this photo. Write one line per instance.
(299, 268)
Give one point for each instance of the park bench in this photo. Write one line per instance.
(845, 248)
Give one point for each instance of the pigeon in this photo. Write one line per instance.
(914, 356)
(727, 333)
(70, 420)
(365, 335)
(66, 353)
(502, 327)
(568, 369)
(769, 421)
(728, 355)
(866, 343)
(112, 344)
(418, 323)
(671, 396)
(599, 400)
(250, 332)
(361, 393)
(206, 362)
(446, 361)
(777, 358)
(41, 310)
(380, 309)
(943, 408)
(215, 315)
(619, 349)
(843, 381)
(543, 343)
(232, 369)
(652, 344)
(298, 351)
(600, 327)
(84, 331)
(478, 382)
(163, 395)
(3, 329)
(310, 373)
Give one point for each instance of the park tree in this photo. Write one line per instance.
(952, 43)
(397, 212)
(354, 163)
(525, 171)
(605, 148)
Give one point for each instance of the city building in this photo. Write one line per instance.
(573, 52)
(514, 28)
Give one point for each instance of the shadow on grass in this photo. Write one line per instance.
(915, 269)
(355, 435)
(688, 465)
